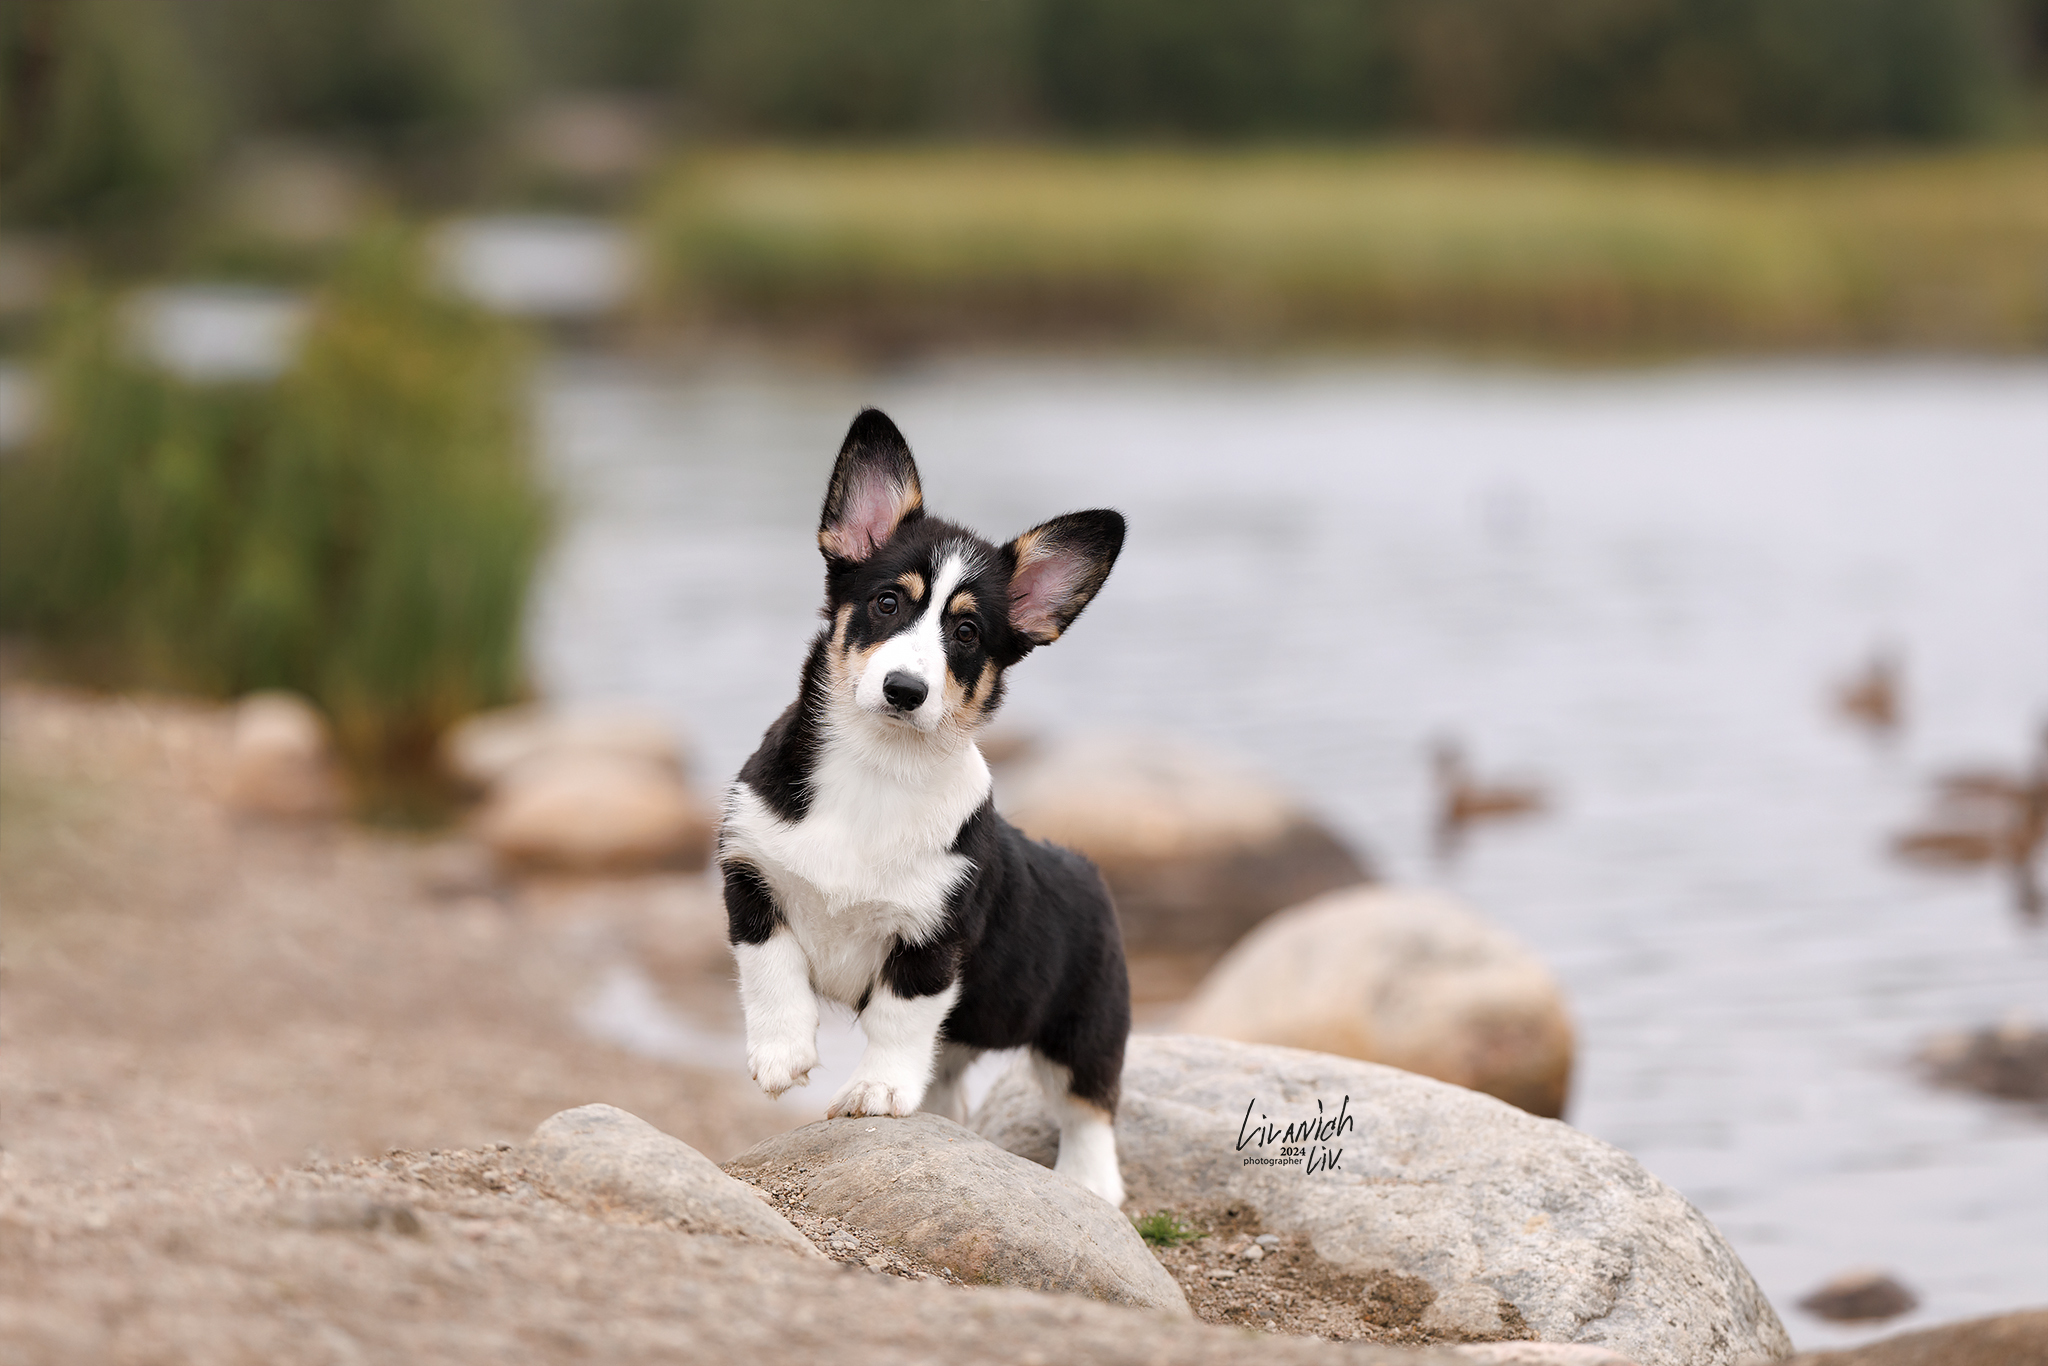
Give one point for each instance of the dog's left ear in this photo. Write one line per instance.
(1057, 568)
(874, 490)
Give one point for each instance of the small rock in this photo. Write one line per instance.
(1407, 978)
(1195, 850)
(611, 1162)
(1253, 1253)
(1501, 1215)
(594, 813)
(483, 750)
(1268, 1240)
(2019, 1339)
(280, 759)
(932, 1188)
(1861, 1296)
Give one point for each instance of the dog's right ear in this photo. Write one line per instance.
(874, 490)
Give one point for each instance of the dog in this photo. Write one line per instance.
(864, 860)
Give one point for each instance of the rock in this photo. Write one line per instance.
(483, 750)
(280, 759)
(2009, 1061)
(595, 813)
(1508, 1218)
(1407, 978)
(1195, 850)
(933, 1188)
(2003, 1340)
(612, 1162)
(1859, 1297)
(1539, 1354)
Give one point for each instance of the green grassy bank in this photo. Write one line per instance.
(909, 249)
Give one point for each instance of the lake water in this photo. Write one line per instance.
(1637, 587)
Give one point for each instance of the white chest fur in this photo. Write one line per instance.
(871, 861)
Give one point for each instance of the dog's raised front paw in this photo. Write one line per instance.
(779, 1066)
(866, 1096)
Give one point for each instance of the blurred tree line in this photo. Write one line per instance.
(108, 107)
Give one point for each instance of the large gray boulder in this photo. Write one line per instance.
(1404, 977)
(1509, 1218)
(1195, 849)
(614, 1163)
(931, 1187)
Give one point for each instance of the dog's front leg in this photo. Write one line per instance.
(775, 984)
(902, 1020)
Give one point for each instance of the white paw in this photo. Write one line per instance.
(779, 1066)
(869, 1096)
(1108, 1185)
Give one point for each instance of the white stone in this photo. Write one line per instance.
(1408, 978)
(615, 1164)
(482, 750)
(930, 1187)
(595, 813)
(280, 759)
(1502, 1213)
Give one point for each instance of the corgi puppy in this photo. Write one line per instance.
(864, 860)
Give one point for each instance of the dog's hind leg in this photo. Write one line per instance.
(948, 1095)
(1087, 1130)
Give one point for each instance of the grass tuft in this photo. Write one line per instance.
(1164, 1228)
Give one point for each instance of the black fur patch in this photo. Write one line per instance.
(750, 912)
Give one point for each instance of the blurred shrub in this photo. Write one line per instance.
(363, 531)
(399, 77)
(643, 46)
(862, 67)
(102, 115)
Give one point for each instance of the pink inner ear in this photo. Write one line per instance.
(1040, 588)
(872, 511)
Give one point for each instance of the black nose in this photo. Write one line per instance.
(904, 691)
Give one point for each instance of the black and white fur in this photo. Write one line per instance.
(864, 861)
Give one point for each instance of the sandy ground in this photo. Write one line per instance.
(262, 1087)
(185, 990)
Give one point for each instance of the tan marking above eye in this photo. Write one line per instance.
(913, 583)
(963, 602)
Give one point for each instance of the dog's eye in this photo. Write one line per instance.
(885, 603)
(966, 633)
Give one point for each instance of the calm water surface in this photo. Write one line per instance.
(1637, 587)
